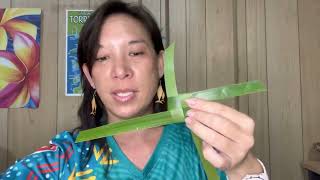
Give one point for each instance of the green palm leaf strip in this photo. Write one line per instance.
(176, 111)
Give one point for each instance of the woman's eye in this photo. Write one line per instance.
(136, 53)
(103, 58)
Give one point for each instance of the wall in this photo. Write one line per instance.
(217, 42)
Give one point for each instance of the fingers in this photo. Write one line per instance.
(220, 124)
(229, 148)
(227, 134)
(213, 138)
(217, 159)
(237, 117)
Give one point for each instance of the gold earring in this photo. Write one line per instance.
(93, 104)
(160, 94)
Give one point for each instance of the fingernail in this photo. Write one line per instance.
(191, 102)
(190, 113)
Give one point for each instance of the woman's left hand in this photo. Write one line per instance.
(227, 135)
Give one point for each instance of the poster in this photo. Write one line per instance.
(74, 22)
(20, 57)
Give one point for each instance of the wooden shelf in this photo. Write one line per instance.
(313, 166)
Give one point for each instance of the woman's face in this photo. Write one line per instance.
(127, 72)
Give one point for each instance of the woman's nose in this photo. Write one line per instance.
(121, 69)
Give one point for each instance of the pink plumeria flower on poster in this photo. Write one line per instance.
(19, 73)
(11, 22)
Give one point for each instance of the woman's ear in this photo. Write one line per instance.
(161, 63)
(88, 75)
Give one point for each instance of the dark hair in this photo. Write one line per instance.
(87, 51)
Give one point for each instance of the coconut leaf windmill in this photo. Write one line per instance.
(176, 111)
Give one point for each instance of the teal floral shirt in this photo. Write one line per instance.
(174, 157)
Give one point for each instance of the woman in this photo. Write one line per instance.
(120, 53)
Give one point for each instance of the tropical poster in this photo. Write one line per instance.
(20, 57)
(74, 22)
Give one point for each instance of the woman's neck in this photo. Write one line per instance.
(112, 117)
(134, 137)
(138, 146)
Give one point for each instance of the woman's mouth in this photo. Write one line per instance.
(123, 96)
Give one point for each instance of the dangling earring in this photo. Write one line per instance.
(160, 94)
(93, 104)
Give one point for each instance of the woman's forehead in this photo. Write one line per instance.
(131, 42)
(124, 29)
(123, 20)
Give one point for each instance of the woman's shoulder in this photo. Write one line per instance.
(64, 137)
(47, 161)
(64, 140)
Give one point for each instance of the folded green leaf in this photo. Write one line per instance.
(170, 116)
(224, 92)
(133, 124)
(169, 74)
